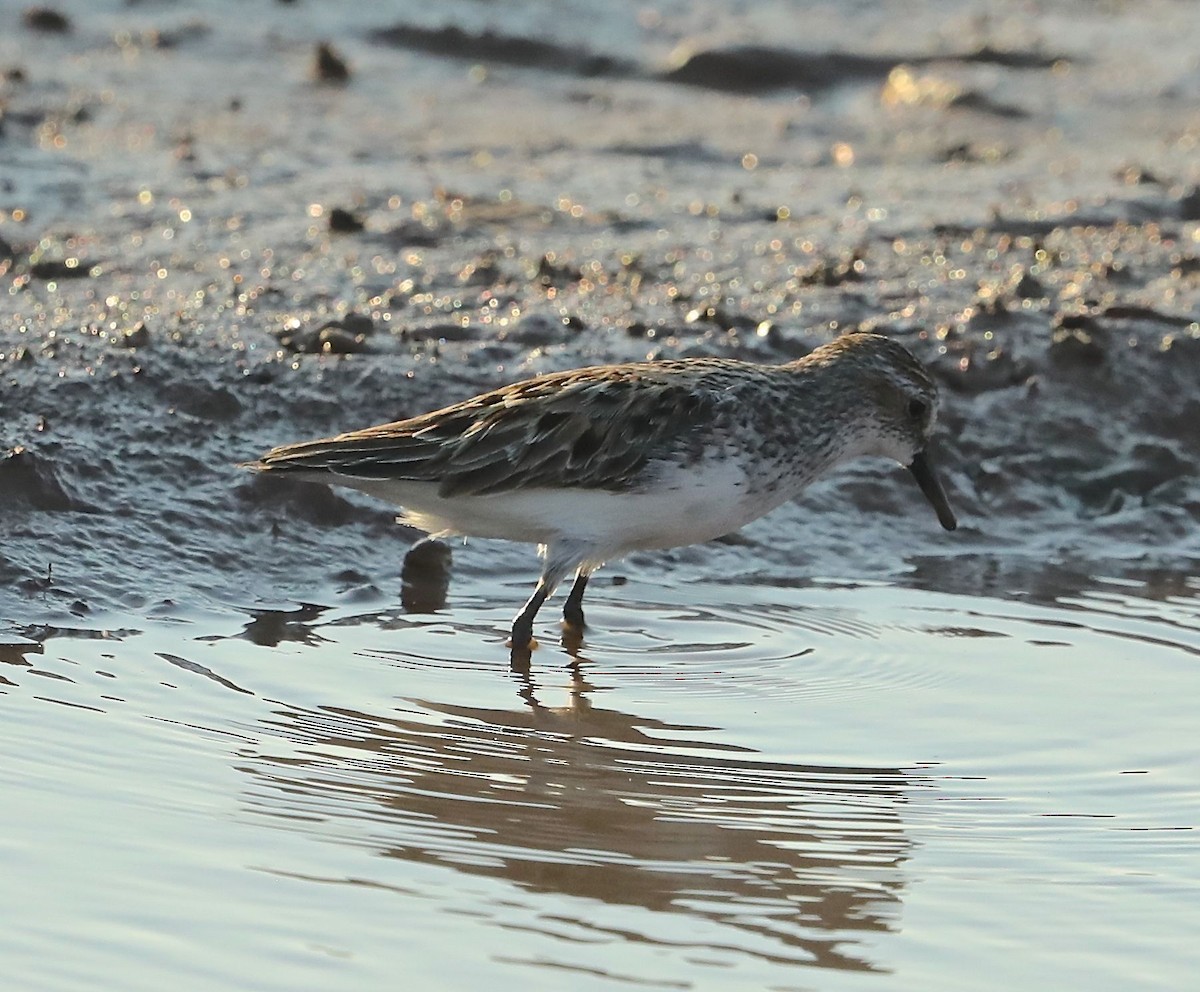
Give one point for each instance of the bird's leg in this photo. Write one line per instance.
(561, 558)
(522, 628)
(573, 608)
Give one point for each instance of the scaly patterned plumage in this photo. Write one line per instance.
(593, 463)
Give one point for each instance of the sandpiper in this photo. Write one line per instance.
(591, 464)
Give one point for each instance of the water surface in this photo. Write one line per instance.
(229, 759)
(838, 786)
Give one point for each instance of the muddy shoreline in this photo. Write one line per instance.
(208, 250)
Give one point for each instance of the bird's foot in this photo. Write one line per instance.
(572, 637)
(521, 644)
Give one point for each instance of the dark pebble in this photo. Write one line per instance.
(1137, 175)
(335, 340)
(1029, 287)
(329, 66)
(60, 268)
(138, 336)
(331, 338)
(983, 371)
(1078, 340)
(454, 42)
(831, 272)
(982, 103)
(425, 577)
(413, 234)
(756, 69)
(343, 221)
(29, 479)
(1189, 204)
(536, 330)
(358, 323)
(202, 400)
(557, 274)
(46, 19)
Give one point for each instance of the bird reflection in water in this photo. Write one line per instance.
(794, 862)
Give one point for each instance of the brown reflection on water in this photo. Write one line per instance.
(583, 801)
(270, 628)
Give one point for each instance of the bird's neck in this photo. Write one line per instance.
(809, 428)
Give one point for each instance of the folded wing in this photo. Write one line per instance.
(570, 429)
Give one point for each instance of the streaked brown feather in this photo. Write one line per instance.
(585, 428)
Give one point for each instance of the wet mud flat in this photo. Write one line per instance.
(224, 229)
(207, 253)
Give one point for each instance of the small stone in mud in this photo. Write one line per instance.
(977, 371)
(491, 46)
(335, 340)
(707, 313)
(1078, 340)
(28, 479)
(981, 102)
(551, 272)
(425, 577)
(755, 68)
(536, 330)
(973, 153)
(1136, 175)
(60, 268)
(358, 323)
(343, 221)
(331, 338)
(832, 272)
(137, 336)
(329, 66)
(1028, 287)
(46, 19)
(1189, 204)
(1184, 265)
(174, 37)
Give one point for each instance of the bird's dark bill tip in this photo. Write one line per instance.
(923, 471)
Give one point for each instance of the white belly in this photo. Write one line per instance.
(687, 507)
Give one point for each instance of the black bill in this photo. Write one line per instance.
(923, 471)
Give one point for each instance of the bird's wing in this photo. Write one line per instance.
(576, 429)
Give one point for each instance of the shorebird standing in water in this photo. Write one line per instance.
(594, 463)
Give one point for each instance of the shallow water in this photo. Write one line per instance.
(230, 759)
(724, 787)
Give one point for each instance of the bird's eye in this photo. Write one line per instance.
(917, 409)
